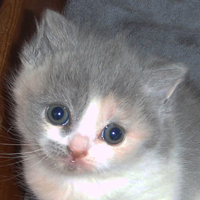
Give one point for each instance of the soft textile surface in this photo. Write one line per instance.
(166, 28)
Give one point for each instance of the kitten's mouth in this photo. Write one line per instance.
(76, 155)
(76, 164)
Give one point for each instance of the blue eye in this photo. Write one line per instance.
(58, 115)
(113, 134)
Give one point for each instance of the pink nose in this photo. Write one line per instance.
(79, 146)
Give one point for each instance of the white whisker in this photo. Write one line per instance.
(12, 144)
(16, 162)
(20, 154)
(21, 173)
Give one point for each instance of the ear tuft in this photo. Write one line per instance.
(54, 33)
(163, 80)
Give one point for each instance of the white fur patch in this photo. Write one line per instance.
(54, 133)
(87, 126)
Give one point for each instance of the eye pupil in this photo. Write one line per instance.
(57, 113)
(115, 134)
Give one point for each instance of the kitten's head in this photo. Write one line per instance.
(84, 104)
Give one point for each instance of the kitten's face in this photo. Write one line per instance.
(72, 124)
(85, 105)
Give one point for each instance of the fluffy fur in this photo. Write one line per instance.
(103, 81)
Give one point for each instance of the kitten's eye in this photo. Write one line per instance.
(113, 134)
(58, 115)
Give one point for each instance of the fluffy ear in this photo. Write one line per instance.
(54, 34)
(163, 79)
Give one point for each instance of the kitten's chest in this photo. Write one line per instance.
(145, 181)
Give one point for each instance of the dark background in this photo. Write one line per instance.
(17, 24)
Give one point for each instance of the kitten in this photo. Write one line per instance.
(102, 122)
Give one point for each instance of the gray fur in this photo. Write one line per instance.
(168, 28)
(71, 66)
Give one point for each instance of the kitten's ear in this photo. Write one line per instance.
(163, 80)
(54, 34)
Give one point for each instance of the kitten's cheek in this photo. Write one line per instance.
(100, 154)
